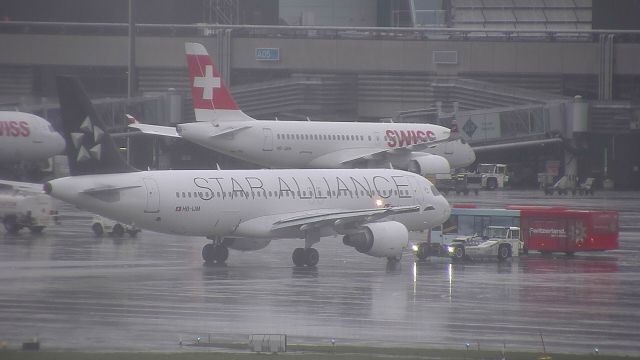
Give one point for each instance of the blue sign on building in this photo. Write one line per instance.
(268, 54)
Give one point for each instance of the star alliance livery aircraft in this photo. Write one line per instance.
(373, 209)
(420, 148)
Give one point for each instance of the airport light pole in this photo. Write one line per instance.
(131, 74)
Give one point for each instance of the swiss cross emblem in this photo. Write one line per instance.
(207, 82)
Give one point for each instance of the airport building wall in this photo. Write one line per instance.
(332, 55)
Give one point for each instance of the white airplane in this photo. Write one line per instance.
(221, 126)
(242, 209)
(27, 137)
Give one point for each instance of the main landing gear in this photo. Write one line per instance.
(215, 253)
(307, 256)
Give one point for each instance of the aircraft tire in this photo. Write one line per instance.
(97, 229)
(312, 256)
(118, 230)
(298, 257)
(208, 252)
(11, 224)
(36, 229)
(504, 252)
(423, 251)
(458, 253)
(220, 253)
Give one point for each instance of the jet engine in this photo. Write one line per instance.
(245, 244)
(381, 239)
(429, 165)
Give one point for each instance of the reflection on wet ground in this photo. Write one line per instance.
(78, 291)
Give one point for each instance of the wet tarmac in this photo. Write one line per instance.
(80, 292)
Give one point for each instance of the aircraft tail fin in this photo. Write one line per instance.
(90, 149)
(212, 101)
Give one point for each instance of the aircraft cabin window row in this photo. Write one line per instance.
(271, 194)
(320, 137)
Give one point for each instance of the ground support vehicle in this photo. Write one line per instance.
(445, 183)
(496, 242)
(493, 176)
(461, 183)
(563, 186)
(467, 182)
(101, 225)
(586, 187)
(543, 228)
(20, 209)
(568, 231)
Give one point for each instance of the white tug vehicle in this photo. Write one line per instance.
(501, 242)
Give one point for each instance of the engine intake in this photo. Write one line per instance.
(382, 239)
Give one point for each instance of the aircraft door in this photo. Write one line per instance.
(417, 192)
(268, 139)
(153, 196)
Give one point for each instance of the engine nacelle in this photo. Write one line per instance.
(381, 239)
(246, 244)
(429, 165)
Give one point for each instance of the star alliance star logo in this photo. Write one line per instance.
(87, 141)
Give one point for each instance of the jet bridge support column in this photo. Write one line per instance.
(576, 132)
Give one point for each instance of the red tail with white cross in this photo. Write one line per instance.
(210, 95)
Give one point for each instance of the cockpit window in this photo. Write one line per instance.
(435, 191)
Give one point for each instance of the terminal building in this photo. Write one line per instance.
(560, 76)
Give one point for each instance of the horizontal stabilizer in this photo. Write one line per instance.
(155, 129)
(230, 130)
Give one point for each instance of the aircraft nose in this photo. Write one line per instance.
(472, 155)
(57, 144)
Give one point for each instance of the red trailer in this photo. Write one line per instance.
(569, 231)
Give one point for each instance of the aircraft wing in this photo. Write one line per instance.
(349, 156)
(340, 218)
(155, 129)
(7, 185)
(336, 219)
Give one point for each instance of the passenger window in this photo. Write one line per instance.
(177, 194)
(369, 137)
(184, 195)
